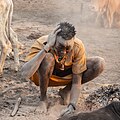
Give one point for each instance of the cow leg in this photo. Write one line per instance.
(12, 36)
(3, 41)
(14, 39)
(3, 55)
(9, 52)
(2, 58)
(110, 18)
(97, 18)
(105, 20)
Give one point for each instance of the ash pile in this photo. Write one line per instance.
(103, 96)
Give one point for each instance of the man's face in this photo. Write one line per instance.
(62, 47)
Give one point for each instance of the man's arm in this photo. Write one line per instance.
(75, 89)
(30, 67)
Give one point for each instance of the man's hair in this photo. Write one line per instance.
(67, 31)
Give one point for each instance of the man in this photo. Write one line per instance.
(59, 60)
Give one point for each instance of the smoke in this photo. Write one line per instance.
(53, 12)
(76, 12)
(70, 11)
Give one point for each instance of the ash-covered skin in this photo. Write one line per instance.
(64, 41)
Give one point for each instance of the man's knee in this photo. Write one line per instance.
(49, 58)
(99, 64)
(47, 63)
(95, 66)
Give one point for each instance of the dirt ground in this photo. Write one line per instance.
(34, 18)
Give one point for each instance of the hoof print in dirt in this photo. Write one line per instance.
(103, 96)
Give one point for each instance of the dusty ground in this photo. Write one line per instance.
(33, 18)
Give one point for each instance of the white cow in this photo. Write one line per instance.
(109, 10)
(112, 10)
(7, 35)
(100, 6)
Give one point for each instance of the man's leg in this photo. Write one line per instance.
(45, 71)
(65, 94)
(95, 66)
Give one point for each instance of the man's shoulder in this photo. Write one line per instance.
(78, 43)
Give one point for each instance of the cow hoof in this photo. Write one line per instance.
(1, 75)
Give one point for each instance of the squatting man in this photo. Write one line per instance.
(59, 59)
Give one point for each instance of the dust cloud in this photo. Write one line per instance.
(76, 12)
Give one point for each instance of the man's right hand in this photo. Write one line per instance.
(52, 39)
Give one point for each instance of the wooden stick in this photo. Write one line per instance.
(16, 107)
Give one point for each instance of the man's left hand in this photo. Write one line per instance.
(67, 111)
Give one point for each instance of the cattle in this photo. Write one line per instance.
(112, 10)
(7, 36)
(109, 112)
(107, 9)
(99, 6)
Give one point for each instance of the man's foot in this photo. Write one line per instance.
(41, 108)
(65, 95)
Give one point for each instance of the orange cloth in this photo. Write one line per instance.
(75, 59)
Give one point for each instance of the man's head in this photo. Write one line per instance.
(67, 31)
(64, 40)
